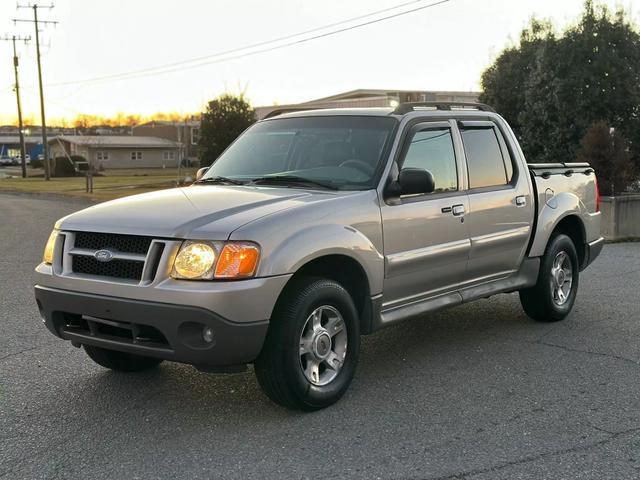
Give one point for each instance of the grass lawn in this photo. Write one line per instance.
(115, 183)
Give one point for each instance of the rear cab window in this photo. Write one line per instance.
(488, 161)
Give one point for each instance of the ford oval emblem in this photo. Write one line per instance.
(103, 256)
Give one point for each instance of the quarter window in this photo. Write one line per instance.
(485, 163)
(432, 150)
(136, 155)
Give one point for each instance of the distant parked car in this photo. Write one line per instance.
(17, 160)
(5, 161)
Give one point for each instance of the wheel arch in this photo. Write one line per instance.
(349, 273)
(562, 215)
(573, 227)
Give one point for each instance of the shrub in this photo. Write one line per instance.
(62, 167)
(608, 153)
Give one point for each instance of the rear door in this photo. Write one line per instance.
(426, 243)
(500, 203)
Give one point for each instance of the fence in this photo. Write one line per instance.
(620, 217)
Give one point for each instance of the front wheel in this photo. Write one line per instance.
(311, 350)
(553, 296)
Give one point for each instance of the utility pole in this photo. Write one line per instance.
(35, 21)
(23, 149)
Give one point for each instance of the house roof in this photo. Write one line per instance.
(153, 123)
(116, 141)
(11, 139)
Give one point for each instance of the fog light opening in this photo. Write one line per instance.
(207, 334)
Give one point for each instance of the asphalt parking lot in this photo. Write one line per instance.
(478, 392)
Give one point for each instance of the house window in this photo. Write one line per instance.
(168, 155)
(195, 135)
(136, 155)
(101, 155)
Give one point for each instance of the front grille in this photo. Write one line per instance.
(128, 255)
(129, 269)
(120, 243)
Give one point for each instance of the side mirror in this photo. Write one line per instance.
(200, 173)
(414, 181)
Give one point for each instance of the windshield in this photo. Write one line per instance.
(339, 151)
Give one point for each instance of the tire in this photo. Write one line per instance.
(294, 367)
(544, 302)
(120, 361)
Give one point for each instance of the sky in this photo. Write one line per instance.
(444, 47)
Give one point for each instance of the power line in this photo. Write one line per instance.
(214, 58)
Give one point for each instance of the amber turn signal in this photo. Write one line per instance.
(238, 260)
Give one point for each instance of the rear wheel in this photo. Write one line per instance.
(311, 350)
(120, 361)
(554, 294)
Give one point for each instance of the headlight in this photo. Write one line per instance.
(195, 260)
(47, 257)
(198, 260)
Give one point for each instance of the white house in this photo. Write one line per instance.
(118, 151)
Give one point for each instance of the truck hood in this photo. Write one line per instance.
(199, 212)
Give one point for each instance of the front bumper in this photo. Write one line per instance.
(163, 330)
(591, 252)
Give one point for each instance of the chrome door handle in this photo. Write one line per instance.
(521, 201)
(458, 210)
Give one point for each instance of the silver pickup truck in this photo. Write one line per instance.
(314, 228)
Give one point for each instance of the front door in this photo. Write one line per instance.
(426, 244)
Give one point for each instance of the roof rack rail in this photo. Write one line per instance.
(280, 111)
(410, 106)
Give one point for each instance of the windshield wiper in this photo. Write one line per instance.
(292, 180)
(220, 180)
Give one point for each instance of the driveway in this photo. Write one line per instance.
(478, 392)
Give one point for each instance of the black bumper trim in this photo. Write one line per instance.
(591, 252)
(181, 326)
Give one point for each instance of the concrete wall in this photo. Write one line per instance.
(620, 216)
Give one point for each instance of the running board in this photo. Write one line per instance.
(526, 277)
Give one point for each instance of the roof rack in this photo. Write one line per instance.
(410, 106)
(280, 111)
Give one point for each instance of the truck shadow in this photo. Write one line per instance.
(442, 343)
(438, 369)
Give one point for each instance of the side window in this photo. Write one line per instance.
(485, 163)
(432, 150)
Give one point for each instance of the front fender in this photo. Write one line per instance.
(551, 213)
(322, 240)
